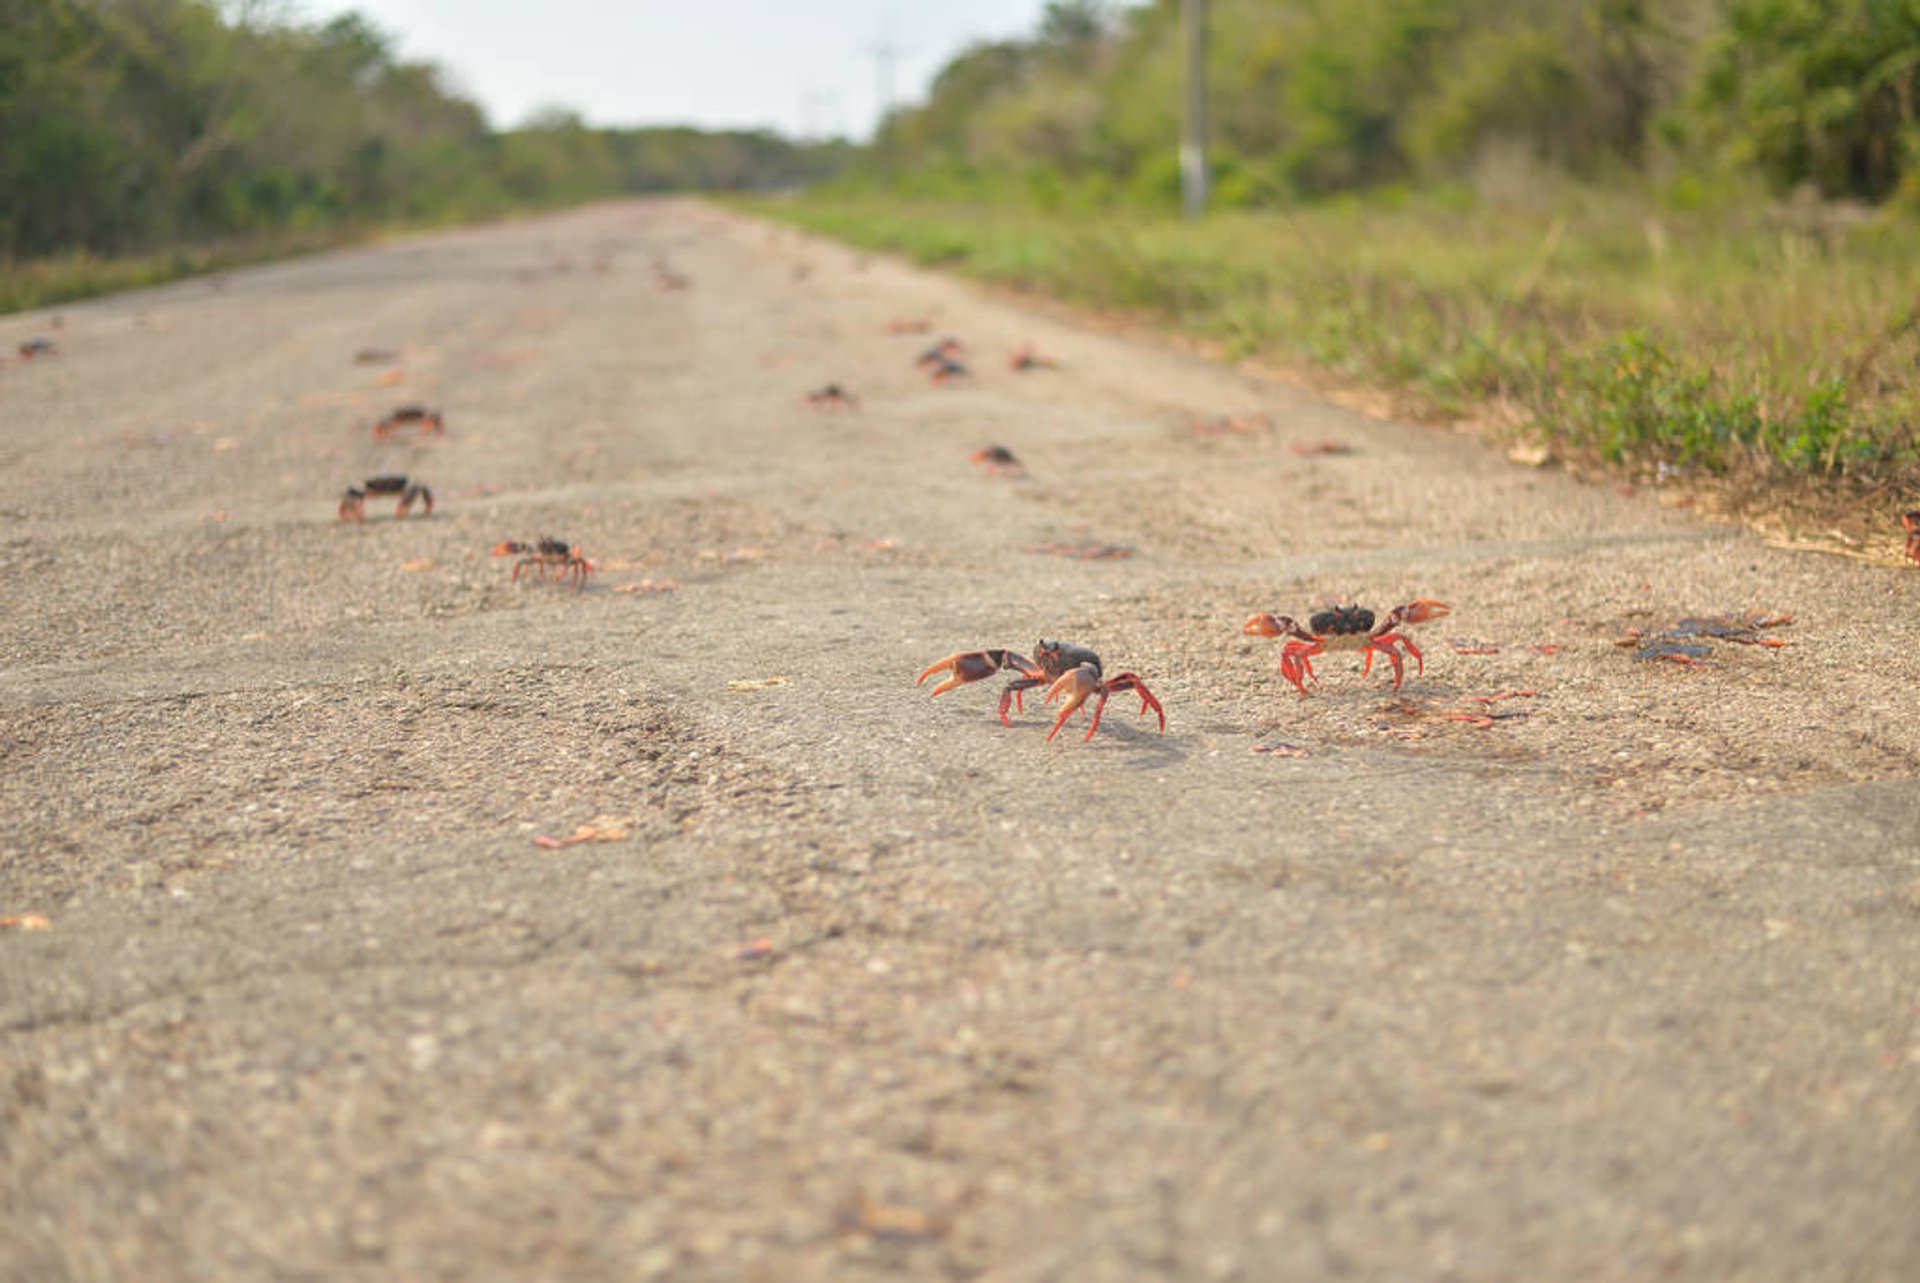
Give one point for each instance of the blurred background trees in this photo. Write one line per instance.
(127, 125)
(1316, 97)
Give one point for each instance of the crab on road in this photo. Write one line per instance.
(1347, 628)
(353, 504)
(1066, 670)
(548, 557)
(428, 422)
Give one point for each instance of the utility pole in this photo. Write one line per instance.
(885, 55)
(1193, 137)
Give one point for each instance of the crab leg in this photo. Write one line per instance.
(1296, 662)
(1015, 694)
(1131, 682)
(1384, 646)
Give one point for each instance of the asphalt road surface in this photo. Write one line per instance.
(1614, 977)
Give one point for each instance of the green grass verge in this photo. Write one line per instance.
(1751, 345)
(49, 282)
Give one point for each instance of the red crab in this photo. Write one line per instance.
(410, 416)
(1024, 358)
(832, 397)
(1062, 667)
(942, 360)
(353, 504)
(1347, 628)
(997, 458)
(947, 349)
(37, 346)
(549, 556)
(1911, 520)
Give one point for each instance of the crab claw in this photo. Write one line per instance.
(1265, 625)
(1911, 520)
(976, 665)
(1078, 685)
(1418, 611)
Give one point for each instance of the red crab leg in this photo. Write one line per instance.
(1296, 662)
(1419, 663)
(1386, 642)
(1131, 682)
(1384, 646)
(1015, 694)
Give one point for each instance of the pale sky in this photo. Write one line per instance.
(803, 67)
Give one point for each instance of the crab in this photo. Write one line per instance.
(1062, 667)
(1911, 520)
(946, 350)
(1024, 358)
(1347, 628)
(37, 346)
(549, 556)
(942, 360)
(353, 504)
(997, 458)
(832, 397)
(410, 416)
(945, 369)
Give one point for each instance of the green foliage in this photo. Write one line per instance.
(125, 127)
(1818, 91)
(1316, 97)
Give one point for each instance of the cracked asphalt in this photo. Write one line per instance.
(1614, 976)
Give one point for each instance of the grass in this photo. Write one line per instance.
(1766, 356)
(48, 282)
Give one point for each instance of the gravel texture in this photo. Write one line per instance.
(1622, 985)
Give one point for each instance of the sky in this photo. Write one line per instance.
(806, 68)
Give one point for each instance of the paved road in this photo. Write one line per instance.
(1624, 984)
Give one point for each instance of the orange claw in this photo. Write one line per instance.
(1083, 683)
(1079, 685)
(1421, 610)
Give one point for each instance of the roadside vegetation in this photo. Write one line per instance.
(1680, 238)
(146, 139)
